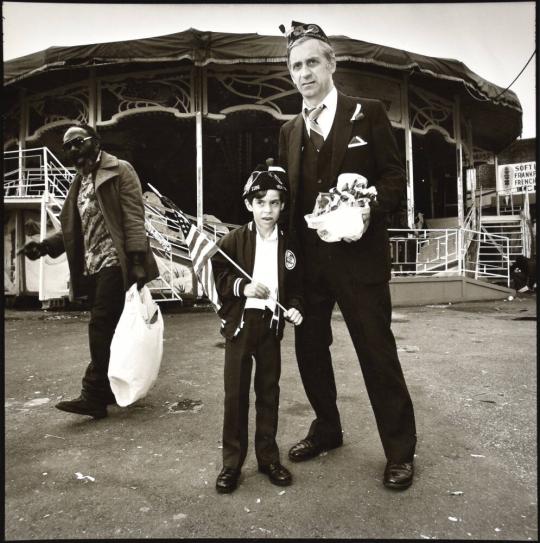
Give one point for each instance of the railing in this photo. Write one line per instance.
(30, 173)
(449, 252)
(424, 251)
(33, 173)
(492, 259)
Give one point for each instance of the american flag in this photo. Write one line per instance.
(201, 249)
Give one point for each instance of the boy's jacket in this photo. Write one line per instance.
(240, 246)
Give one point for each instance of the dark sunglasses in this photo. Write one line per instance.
(75, 142)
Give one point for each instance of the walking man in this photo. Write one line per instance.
(103, 235)
(337, 134)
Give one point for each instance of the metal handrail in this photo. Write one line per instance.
(45, 174)
(445, 259)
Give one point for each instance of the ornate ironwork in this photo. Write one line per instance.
(430, 112)
(68, 104)
(171, 92)
(11, 123)
(269, 90)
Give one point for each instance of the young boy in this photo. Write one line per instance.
(252, 323)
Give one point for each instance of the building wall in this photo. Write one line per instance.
(519, 151)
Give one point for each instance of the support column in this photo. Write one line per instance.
(43, 223)
(198, 81)
(459, 160)
(93, 106)
(408, 150)
(471, 172)
(496, 163)
(20, 237)
(20, 259)
(23, 131)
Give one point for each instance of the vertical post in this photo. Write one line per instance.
(43, 222)
(471, 171)
(198, 103)
(446, 250)
(199, 146)
(198, 108)
(23, 125)
(20, 259)
(507, 262)
(408, 150)
(460, 250)
(496, 163)
(92, 99)
(459, 160)
(526, 235)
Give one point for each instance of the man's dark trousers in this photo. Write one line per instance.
(367, 311)
(255, 340)
(106, 297)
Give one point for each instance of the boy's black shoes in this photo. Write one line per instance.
(309, 448)
(398, 476)
(83, 406)
(278, 474)
(227, 480)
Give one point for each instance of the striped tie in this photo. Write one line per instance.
(315, 132)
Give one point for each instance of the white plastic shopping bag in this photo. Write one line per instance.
(136, 347)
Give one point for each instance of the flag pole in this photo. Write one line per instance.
(225, 255)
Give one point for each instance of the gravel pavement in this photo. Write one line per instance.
(148, 470)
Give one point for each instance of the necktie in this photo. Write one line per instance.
(315, 132)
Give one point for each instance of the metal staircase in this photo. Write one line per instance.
(35, 178)
(510, 226)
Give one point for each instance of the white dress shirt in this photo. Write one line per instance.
(265, 269)
(326, 118)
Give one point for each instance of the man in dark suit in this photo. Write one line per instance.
(337, 134)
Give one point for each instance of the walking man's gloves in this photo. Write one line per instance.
(33, 250)
(137, 274)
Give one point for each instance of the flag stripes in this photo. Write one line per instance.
(201, 249)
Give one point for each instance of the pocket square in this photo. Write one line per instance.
(357, 113)
(356, 141)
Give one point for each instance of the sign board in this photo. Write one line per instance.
(516, 178)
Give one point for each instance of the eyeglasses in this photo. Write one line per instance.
(75, 142)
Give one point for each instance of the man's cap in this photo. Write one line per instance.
(302, 30)
(268, 177)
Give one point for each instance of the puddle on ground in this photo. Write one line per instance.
(186, 404)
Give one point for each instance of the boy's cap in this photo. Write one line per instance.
(301, 30)
(266, 178)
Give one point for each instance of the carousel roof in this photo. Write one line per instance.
(496, 112)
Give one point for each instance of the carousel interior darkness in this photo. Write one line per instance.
(162, 149)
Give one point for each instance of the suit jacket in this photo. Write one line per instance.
(378, 160)
(240, 246)
(119, 194)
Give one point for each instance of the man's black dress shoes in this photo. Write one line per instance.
(83, 406)
(398, 476)
(227, 480)
(278, 474)
(309, 448)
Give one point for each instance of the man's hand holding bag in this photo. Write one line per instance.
(136, 348)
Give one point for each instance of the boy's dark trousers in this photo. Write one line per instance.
(106, 296)
(255, 340)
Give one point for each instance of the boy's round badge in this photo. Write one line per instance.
(290, 259)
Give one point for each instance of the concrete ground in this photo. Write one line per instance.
(148, 471)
